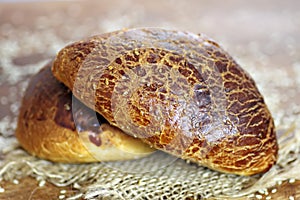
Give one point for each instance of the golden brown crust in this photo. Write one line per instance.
(177, 91)
(53, 127)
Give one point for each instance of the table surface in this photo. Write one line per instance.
(237, 24)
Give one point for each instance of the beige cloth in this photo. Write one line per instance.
(263, 37)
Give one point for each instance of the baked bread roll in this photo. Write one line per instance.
(53, 127)
(177, 91)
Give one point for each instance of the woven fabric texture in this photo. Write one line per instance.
(25, 49)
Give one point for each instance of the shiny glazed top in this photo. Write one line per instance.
(177, 91)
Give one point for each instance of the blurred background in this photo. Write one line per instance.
(262, 35)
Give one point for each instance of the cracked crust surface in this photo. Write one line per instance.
(54, 126)
(177, 91)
